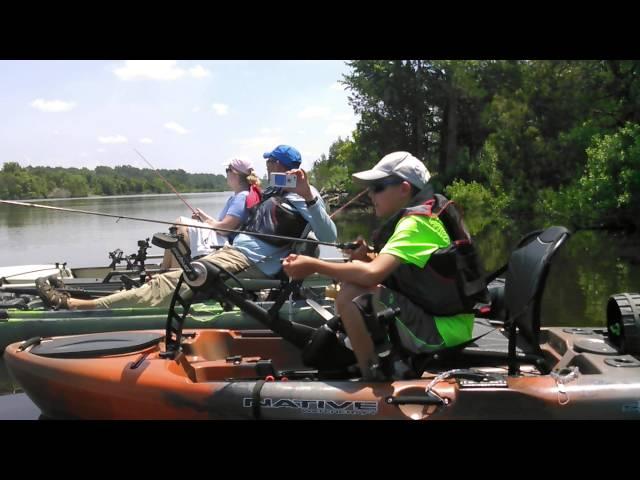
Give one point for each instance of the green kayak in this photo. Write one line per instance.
(31, 319)
(23, 324)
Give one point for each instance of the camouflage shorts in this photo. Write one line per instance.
(159, 291)
(417, 329)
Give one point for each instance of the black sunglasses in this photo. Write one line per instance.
(382, 186)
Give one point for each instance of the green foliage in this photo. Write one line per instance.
(76, 185)
(51, 182)
(485, 203)
(482, 206)
(609, 188)
(521, 127)
(612, 174)
(333, 172)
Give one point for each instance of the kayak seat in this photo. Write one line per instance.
(518, 341)
(95, 344)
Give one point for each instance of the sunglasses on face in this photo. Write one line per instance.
(382, 186)
(271, 160)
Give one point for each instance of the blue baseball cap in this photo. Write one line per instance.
(286, 155)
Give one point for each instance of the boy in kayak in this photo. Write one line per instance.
(416, 266)
(296, 211)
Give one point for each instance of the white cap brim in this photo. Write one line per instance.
(370, 175)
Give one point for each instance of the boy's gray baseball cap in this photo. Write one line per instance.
(400, 164)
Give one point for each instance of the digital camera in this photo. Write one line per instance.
(283, 180)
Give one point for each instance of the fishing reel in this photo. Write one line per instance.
(116, 257)
(200, 276)
(136, 260)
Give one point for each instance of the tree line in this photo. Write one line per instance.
(557, 140)
(18, 182)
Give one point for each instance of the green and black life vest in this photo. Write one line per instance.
(452, 281)
(275, 215)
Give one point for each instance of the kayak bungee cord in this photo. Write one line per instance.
(342, 246)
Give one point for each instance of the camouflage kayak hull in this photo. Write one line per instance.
(223, 374)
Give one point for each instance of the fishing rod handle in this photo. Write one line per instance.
(353, 246)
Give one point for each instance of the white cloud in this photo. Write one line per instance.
(113, 139)
(220, 108)
(146, 140)
(314, 112)
(100, 150)
(337, 86)
(340, 129)
(342, 124)
(310, 156)
(158, 70)
(260, 143)
(176, 127)
(345, 117)
(150, 70)
(199, 72)
(270, 131)
(52, 105)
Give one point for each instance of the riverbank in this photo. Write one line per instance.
(115, 197)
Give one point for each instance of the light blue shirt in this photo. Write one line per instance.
(235, 207)
(268, 257)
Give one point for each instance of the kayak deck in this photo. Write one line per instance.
(219, 372)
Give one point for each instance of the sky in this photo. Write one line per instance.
(194, 115)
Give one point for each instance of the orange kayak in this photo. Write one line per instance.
(226, 374)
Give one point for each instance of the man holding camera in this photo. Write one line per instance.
(288, 211)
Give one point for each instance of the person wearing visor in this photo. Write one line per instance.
(412, 266)
(292, 212)
(243, 181)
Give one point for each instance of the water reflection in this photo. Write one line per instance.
(34, 236)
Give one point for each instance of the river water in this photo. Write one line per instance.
(590, 267)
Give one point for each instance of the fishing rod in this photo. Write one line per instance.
(342, 246)
(155, 170)
(349, 203)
